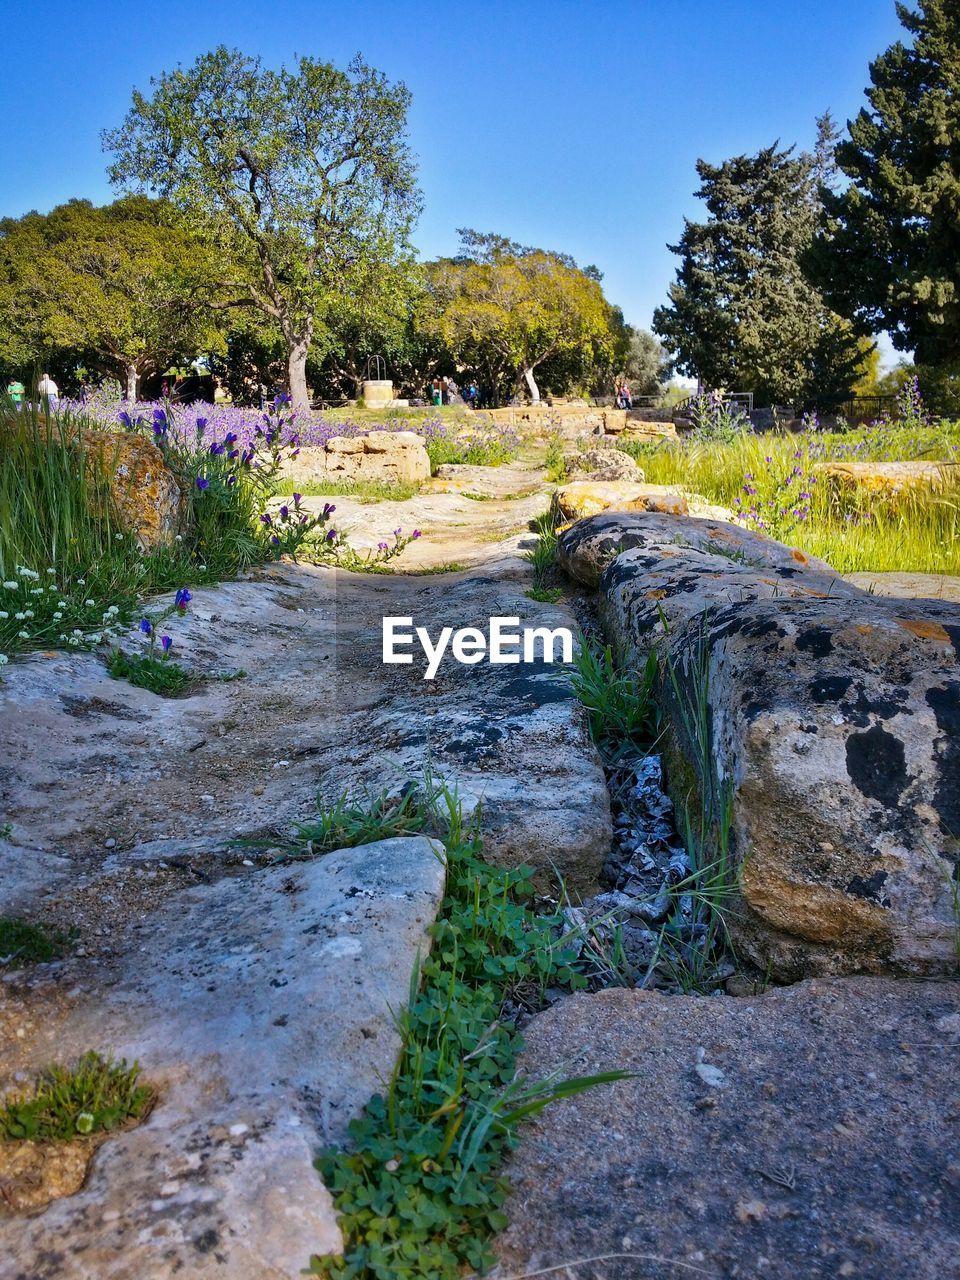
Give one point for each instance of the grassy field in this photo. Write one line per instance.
(774, 482)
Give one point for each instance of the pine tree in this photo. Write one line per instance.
(742, 315)
(889, 252)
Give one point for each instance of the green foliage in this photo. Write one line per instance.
(22, 942)
(742, 317)
(305, 174)
(620, 707)
(544, 553)
(646, 364)
(503, 309)
(359, 819)
(887, 254)
(706, 817)
(419, 1193)
(554, 462)
(95, 1096)
(124, 285)
(362, 490)
(147, 672)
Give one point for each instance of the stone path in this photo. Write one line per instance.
(806, 1134)
(803, 1132)
(258, 998)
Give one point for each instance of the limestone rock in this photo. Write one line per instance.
(583, 498)
(589, 545)
(262, 1006)
(832, 725)
(144, 490)
(604, 464)
(384, 457)
(819, 1159)
(540, 421)
(888, 479)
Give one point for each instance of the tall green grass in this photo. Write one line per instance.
(917, 531)
(69, 573)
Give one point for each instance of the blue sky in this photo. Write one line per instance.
(571, 126)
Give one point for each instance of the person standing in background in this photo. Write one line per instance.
(15, 390)
(48, 390)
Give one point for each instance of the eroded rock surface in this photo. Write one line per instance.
(831, 729)
(382, 457)
(804, 1134)
(262, 1008)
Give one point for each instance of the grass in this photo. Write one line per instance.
(22, 942)
(554, 463)
(156, 674)
(363, 491)
(94, 1096)
(916, 532)
(70, 575)
(544, 553)
(620, 708)
(419, 1193)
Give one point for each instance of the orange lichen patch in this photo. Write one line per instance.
(657, 595)
(924, 630)
(145, 492)
(799, 556)
(863, 629)
(32, 1174)
(50, 653)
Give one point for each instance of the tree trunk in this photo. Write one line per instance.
(297, 371)
(532, 387)
(132, 380)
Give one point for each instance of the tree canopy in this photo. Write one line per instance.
(123, 286)
(304, 175)
(505, 309)
(889, 253)
(742, 314)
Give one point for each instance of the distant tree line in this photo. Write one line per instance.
(265, 226)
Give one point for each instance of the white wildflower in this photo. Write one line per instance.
(11, 586)
(77, 631)
(51, 571)
(89, 603)
(57, 616)
(3, 614)
(28, 613)
(20, 616)
(24, 635)
(24, 572)
(3, 659)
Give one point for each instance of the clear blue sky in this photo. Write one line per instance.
(574, 126)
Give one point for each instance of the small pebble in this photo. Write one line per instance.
(238, 1130)
(110, 844)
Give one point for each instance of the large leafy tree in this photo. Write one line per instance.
(123, 288)
(305, 175)
(504, 310)
(889, 253)
(742, 314)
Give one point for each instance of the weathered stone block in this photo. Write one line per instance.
(144, 490)
(833, 723)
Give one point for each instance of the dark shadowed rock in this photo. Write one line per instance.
(804, 1134)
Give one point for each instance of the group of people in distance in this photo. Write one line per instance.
(445, 391)
(47, 389)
